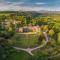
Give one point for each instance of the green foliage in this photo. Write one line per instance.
(34, 22)
(51, 33)
(58, 38)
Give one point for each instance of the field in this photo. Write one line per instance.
(25, 39)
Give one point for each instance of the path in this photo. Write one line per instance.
(29, 50)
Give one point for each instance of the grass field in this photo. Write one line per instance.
(39, 54)
(25, 39)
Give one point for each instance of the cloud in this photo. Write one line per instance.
(4, 7)
(24, 6)
(40, 3)
(17, 3)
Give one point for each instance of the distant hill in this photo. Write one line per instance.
(32, 13)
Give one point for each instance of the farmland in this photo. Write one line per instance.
(11, 35)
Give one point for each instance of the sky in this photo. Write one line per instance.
(30, 5)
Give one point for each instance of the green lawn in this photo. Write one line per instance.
(25, 39)
(19, 55)
(39, 54)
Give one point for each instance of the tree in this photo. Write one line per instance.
(51, 33)
(23, 20)
(45, 28)
(34, 22)
(58, 38)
